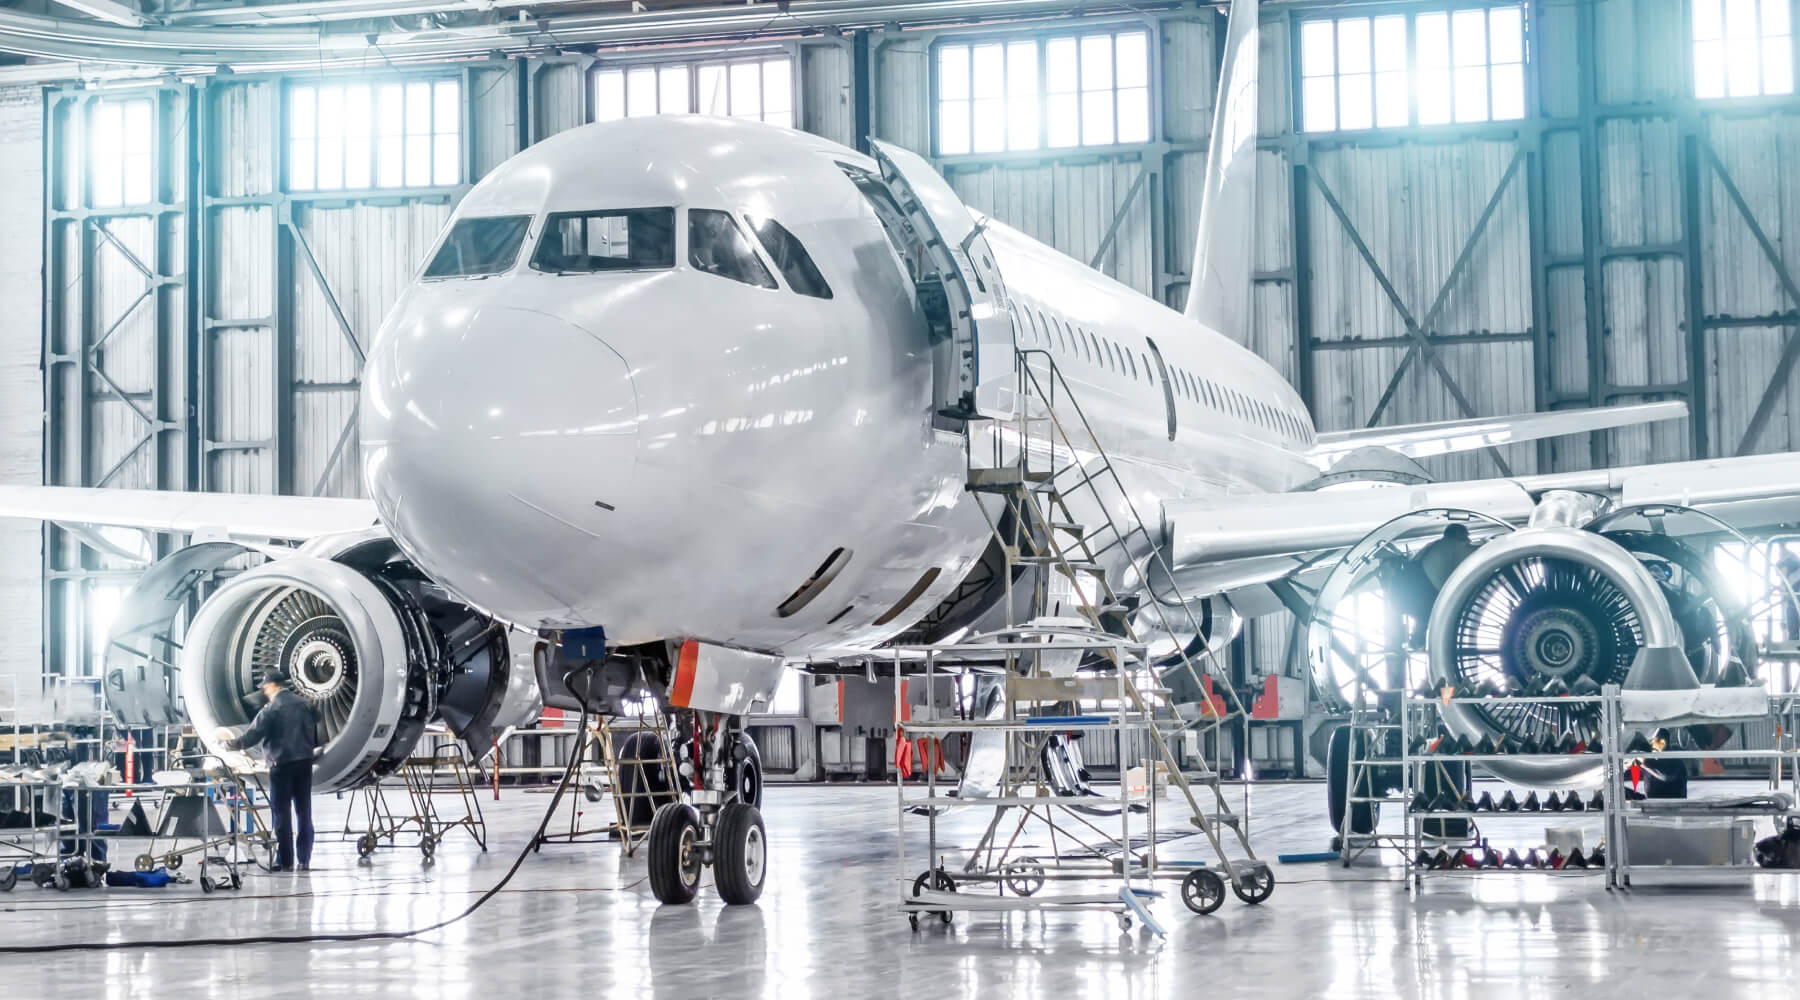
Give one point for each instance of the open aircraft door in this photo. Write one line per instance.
(959, 289)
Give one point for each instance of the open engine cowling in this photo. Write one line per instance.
(1546, 602)
(378, 650)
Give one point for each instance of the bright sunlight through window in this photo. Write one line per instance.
(1061, 92)
(119, 165)
(1743, 48)
(1432, 68)
(354, 137)
(759, 89)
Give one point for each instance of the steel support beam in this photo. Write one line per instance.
(1118, 219)
(1421, 344)
(1790, 352)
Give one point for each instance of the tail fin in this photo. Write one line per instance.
(1219, 282)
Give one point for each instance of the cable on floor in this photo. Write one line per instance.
(347, 936)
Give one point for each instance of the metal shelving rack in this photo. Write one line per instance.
(1426, 712)
(1784, 766)
(1622, 715)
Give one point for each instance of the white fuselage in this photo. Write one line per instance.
(669, 453)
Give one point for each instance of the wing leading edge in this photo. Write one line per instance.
(222, 515)
(1444, 437)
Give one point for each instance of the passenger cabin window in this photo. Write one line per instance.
(635, 239)
(795, 263)
(479, 246)
(717, 245)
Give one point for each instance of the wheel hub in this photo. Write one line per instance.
(754, 853)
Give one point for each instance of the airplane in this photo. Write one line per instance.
(677, 402)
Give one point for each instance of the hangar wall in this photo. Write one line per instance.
(1623, 241)
(21, 395)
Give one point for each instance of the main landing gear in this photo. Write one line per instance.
(719, 825)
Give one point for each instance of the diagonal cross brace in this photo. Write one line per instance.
(331, 302)
(1421, 343)
(1118, 219)
(1790, 352)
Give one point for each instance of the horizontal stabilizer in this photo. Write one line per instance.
(1444, 437)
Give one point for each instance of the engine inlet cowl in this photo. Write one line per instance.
(1549, 602)
(342, 642)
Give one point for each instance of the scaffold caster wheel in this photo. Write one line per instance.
(1124, 922)
(207, 885)
(1255, 887)
(1024, 876)
(9, 877)
(913, 918)
(365, 845)
(428, 847)
(173, 862)
(938, 879)
(1203, 891)
(237, 881)
(144, 863)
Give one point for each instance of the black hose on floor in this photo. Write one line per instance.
(348, 936)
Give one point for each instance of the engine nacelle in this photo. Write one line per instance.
(1545, 602)
(377, 649)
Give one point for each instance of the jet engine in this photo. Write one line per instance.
(1546, 604)
(378, 650)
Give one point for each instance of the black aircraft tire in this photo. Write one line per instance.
(740, 854)
(675, 853)
(1337, 787)
(645, 785)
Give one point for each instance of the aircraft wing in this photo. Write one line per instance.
(1425, 440)
(1227, 544)
(227, 515)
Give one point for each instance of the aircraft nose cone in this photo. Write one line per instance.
(492, 443)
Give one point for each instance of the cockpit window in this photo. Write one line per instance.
(791, 257)
(479, 246)
(717, 245)
(633, 239)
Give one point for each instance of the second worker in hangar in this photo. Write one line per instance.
(287, 726)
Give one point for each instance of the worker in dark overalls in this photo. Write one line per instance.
(286, 725)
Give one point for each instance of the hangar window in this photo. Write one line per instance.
(795, 264)
(760, 89)
(642, 90)
(717, 245)
(120, 136)
(619, 240)
(1743, 48)
(1062, 91)
(359, 136)
(1429, 68)
(479, 246)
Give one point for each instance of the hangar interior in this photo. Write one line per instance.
(1463, 209)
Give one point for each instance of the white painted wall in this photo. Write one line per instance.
(21, 396)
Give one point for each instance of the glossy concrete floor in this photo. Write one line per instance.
(580, 920)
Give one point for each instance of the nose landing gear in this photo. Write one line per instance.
(721, 829)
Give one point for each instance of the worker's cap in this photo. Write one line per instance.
(276, 677)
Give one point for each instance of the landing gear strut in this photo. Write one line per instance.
(720, 825)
